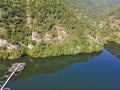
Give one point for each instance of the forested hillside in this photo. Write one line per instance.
(114, 48)
(41, 28)
(110, 26)
(95, 9)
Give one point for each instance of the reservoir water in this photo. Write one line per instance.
(96, 71)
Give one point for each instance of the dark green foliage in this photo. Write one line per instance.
(45, 65)
(69, 31)
(114, 48)
(14, 20)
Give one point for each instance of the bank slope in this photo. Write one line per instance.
(45, 28)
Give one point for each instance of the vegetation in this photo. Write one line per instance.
(48, 65)
(114, 48)
(52, 28)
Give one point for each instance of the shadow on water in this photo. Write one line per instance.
(44, 65)
(53, 64)
(113, 48)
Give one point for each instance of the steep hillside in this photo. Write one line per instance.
(90, 7)
(109, 28)
(95, 9)
(114, 48)
(114, 19)
(114, 22)
(41, 28)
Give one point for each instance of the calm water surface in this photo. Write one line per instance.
(99, 71)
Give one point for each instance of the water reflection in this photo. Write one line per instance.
(53, 64)
(99, 73)
(114, 48)
(44, 65)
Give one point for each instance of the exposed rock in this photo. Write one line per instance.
(62, 34)
(95, 38)
(47, 37)
(4, 43)
(35, 37)
(30, 46)
(11, 47)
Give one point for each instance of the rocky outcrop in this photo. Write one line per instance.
(35, 37)
(61, 33)
(47, 37)
(30, 46)
(4, 43)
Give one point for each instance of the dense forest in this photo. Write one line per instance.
(41, 28)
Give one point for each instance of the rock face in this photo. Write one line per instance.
(11, 47)
(61, 34)
(47, 37)
(4, 43)
(35, 37)
(30, 46)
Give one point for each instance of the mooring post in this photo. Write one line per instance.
(10, 77)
